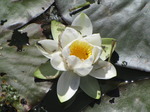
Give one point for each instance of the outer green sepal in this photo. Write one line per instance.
(108, 45)
(56, 28)
(46, 71)
(90, 86)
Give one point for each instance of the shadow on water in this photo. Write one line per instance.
(18, 39)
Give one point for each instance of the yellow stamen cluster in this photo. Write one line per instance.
(81, 49)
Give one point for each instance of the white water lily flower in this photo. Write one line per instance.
(77, 53)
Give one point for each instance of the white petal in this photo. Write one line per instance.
(66, 51)
(57, 62)
(67, 85)
(84, 23)
(96, 52)
(47, 47)
(103, 70)
(83, 71)
(68, 36)
(80, 67)
(94, 39)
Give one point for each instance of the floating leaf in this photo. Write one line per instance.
(18, 67)
(133, 97)
(15, 13)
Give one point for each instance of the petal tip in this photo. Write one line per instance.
(61, 99)
(83, 14)
(85, 24)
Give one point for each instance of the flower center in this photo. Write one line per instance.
(81, 49)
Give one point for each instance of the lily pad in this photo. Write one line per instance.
(19, 67)
(134, 97)
(15, 13)
(125, 20)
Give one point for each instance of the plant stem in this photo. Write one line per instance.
(80, 6)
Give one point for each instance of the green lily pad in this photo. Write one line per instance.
(20, 66)
(15, 13)
(134, 97)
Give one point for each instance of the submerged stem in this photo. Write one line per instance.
(80, 6)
